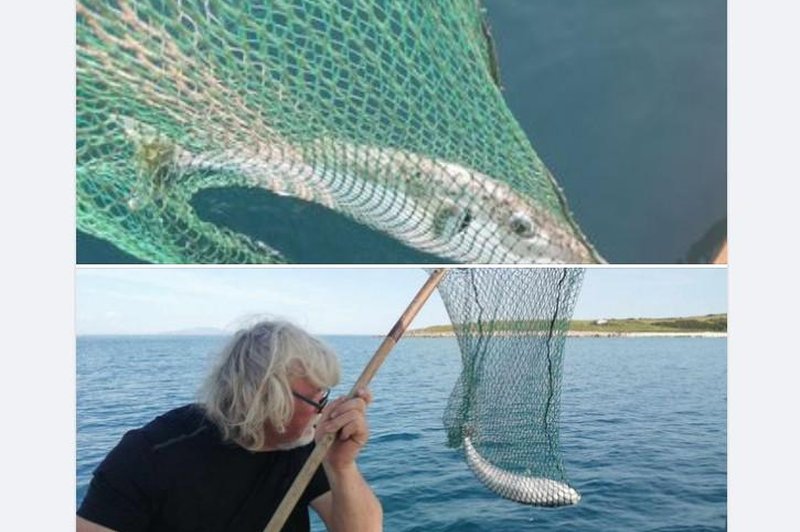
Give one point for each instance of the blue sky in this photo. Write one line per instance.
(348, 301)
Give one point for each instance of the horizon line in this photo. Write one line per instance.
(217, 331)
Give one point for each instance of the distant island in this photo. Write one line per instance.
(710, 325)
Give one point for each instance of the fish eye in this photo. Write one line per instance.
(521, 225)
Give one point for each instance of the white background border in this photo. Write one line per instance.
(37, 99)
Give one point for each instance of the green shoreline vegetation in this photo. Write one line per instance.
(709, 324)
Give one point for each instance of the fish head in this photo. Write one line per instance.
(503, 225)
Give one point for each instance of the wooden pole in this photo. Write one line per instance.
(318, 454)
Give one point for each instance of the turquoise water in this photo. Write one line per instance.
(643, 428)
(624, 100)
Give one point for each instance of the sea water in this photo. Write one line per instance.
(643, 427)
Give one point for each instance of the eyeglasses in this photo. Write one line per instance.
(318, 405)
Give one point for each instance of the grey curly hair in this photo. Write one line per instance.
(249, 385)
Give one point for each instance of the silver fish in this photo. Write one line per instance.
(536, 491)
(435, 206)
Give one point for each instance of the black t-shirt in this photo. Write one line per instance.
(176, 474)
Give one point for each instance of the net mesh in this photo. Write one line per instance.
(504, 409)
(385, 112)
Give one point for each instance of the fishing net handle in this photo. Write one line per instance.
(318, 454)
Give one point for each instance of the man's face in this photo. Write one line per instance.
(300, 429)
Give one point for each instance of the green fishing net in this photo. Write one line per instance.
(385, 112)
(504, 409)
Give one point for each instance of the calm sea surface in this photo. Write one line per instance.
(624, 100)
(643, 428)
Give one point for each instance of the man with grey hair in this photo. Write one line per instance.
(226, 462)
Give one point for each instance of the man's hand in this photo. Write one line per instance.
(347, 418)
(350, 505)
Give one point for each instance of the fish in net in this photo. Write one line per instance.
(387, 113)
(504, 410)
